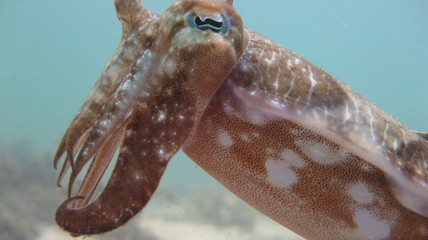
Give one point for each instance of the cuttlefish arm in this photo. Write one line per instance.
(307, 151)
(132, 15)
(143, 156)
(156, 97)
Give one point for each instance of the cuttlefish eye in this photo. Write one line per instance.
(214, 22)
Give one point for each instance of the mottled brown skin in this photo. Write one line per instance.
(279, 132)
(173, 82)
(317, 206)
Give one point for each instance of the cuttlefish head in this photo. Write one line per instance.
(144, 104)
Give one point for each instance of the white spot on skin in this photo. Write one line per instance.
(322, 152)
(161, 152)
(227, 108)
(161, 116)
(245, 137)
(360, 193)
(279, 174)
(129, 133)
(138, 177)
(124, 149)
(224, 139)
(170, 67)
(372, 227)
(255, 117)
(293, 158)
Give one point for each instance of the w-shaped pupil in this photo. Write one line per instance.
(208, 24)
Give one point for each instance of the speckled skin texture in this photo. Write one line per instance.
(333, 193)
(279, 132)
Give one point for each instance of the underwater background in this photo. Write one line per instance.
(51, 53)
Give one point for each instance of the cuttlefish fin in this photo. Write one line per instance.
(410, 189)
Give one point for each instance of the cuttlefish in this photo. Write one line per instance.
(279, 132)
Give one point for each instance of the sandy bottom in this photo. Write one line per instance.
(172, 230)
(185, 231)
(210, 215)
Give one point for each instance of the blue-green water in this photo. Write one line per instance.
(51, 53)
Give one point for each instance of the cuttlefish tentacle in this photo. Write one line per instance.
(98, 167)
(68, 162)
(157, 100)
